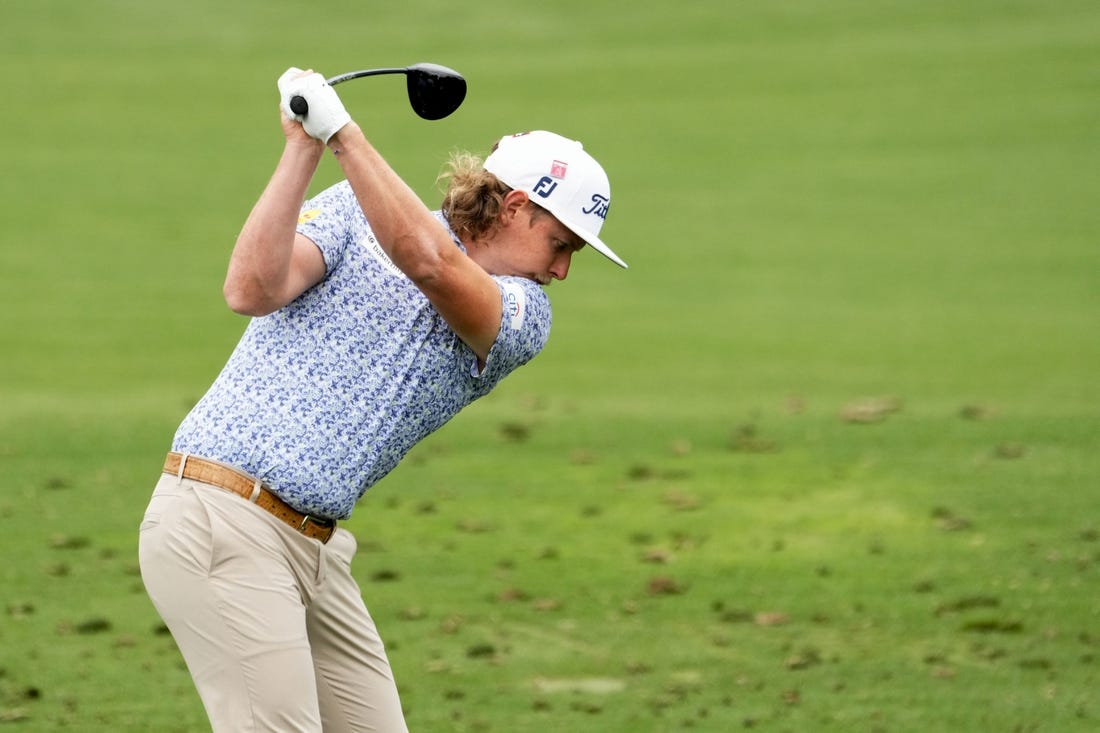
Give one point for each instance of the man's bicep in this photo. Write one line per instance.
(469, 301)
(526, 318)
(307, 267)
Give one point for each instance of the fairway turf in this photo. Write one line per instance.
(823, 459)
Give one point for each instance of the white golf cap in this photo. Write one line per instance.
(559, 176)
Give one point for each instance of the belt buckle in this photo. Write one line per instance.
(323, 523)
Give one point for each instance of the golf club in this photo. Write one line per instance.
(434, 91)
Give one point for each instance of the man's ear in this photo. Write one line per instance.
(515, 201)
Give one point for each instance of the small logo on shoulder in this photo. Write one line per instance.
(515, 305)
(376, 251)
(310, 215)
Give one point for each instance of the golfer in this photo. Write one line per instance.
(374, 322)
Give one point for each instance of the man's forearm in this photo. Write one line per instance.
(261, 259)
(405, 228)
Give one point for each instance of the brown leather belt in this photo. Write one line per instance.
(250, 488)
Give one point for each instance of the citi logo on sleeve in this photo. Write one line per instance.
(515, 305)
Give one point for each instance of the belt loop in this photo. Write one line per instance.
(256, 489)
(183, 465)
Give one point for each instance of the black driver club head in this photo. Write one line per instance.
(434, 91)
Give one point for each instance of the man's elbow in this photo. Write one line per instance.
(246, 299)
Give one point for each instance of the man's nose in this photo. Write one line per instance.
(560, 268)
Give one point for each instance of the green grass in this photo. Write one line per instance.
(666, 522)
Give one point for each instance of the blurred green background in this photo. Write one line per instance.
(823, 458)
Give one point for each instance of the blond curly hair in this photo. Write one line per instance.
(474, 197)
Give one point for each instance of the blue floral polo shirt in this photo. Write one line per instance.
(323, 398)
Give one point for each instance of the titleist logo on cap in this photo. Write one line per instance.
(599, 207)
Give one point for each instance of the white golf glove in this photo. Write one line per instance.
(326, 113)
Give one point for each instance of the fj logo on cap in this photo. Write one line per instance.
(545, 187)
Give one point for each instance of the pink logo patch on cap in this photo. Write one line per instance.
(557, 170)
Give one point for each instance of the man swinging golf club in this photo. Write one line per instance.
(374, 322)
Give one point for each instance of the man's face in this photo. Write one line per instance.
(535, 245)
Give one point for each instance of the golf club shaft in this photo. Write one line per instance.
(300, 106)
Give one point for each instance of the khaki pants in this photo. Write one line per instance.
(271, 624)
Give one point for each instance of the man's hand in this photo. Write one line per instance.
(326, 113)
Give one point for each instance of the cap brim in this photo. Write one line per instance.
(603, 249)
(597, 244)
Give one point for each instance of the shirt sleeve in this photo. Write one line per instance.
(327, 220)
(524, 326)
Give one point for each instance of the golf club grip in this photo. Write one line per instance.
(299, 105)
